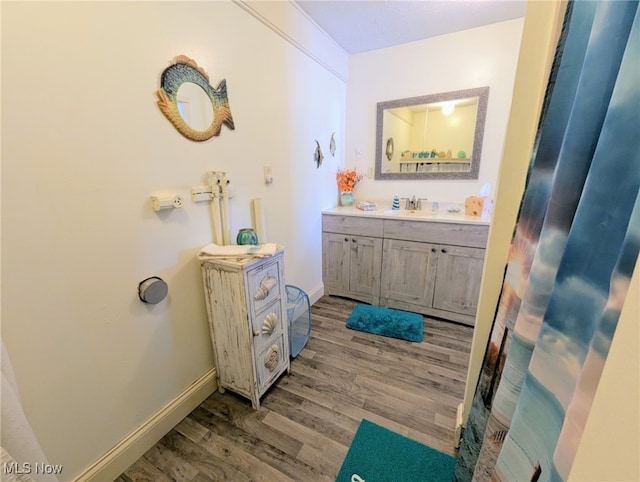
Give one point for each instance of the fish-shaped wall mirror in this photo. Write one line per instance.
(185, 97)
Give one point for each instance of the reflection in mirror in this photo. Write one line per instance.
(389, 151)
(436, 136)
(194, 106)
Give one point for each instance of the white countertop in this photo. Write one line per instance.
(385, 212)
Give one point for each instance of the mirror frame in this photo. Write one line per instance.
(483, 97)
(185, 69)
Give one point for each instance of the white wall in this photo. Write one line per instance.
(85, 145)
(484, 56)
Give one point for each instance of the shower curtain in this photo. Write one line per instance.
(20, 453)
(571, 259)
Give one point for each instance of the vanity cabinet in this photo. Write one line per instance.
(433, 279)
(428, 267)
(246, 307)
(352, 257)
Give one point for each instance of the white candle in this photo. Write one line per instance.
(258, 219)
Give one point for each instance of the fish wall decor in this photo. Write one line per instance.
(332, 145)
(185, 69)
(317, 155)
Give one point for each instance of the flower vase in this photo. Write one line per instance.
(346, 198)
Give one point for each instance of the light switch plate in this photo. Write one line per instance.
(268, 174)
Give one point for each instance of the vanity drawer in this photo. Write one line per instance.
(264, 285)
(440, 233)
(352, 225)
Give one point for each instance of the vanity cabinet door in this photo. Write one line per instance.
(365, 263)
(335, 263)
(409, 270)
(458, 279)
(351, 266)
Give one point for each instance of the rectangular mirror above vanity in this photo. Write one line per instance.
(435, 136)
(428, 264)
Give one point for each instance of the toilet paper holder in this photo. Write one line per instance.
(166, 202)
(152, 290)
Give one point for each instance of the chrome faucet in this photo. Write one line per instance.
(410, 203)
(413, 203)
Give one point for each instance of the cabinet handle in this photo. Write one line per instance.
(346, 239)
(433, 250)
(443, 250)
(266, 285)
(272, 357)
(353, 240)
(269, 324)
(256, 333)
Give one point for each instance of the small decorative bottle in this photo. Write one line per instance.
(396, 203)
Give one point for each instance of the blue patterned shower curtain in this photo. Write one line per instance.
(571, 259)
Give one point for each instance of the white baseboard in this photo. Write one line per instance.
(316, 293)
(458, 431)
(134, 445)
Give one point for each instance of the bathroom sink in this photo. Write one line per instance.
(406, 212)
(425, 213)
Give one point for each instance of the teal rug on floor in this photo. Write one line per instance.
(380, 455)
(386, 322)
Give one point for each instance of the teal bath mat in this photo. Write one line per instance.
(380, 455)
(386, 322)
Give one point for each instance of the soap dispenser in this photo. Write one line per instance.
(396, 203)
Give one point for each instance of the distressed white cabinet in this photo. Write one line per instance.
(427, 267)
(246, 306)
(351, 258)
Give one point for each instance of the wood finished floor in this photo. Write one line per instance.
(308, 418)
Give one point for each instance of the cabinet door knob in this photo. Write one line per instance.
(269, 324)
(433, 250)
(272, 357)
(353, 240)
(346, 239)
(443, 250)
(266, 285)
(256, 333)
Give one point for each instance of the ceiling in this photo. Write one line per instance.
(362, 25)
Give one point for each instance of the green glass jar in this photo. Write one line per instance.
(247, 236)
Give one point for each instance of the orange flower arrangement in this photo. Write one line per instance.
(347, 179)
